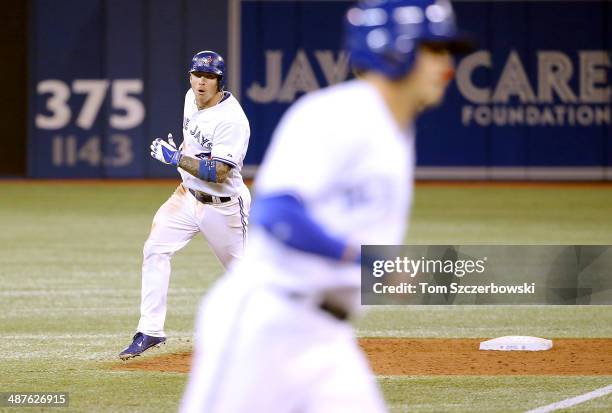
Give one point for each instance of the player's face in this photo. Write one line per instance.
(205, 88)
(432, 73)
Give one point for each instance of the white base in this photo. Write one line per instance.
(517, 343)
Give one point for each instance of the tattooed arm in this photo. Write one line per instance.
(208, 170)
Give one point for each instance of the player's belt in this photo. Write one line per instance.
(209, 199)
(331, 309)
(334, 311)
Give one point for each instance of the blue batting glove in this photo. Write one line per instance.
(166, 152)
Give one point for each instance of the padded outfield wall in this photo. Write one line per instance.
(106, 77)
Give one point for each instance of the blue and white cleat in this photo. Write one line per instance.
(140, 343)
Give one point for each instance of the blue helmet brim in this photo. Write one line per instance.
(459, 44)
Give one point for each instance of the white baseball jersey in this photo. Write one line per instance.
(341, 153)
(220, 132)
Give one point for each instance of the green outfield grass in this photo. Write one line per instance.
(70, 292)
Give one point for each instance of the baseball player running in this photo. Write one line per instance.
(275, 328)
(212, 199)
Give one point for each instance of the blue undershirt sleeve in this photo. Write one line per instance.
(286, 219)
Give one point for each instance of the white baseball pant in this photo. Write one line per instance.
(176, 222)
(260, 351)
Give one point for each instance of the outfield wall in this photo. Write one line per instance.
(106, 77)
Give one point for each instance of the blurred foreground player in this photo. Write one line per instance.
(272, 336)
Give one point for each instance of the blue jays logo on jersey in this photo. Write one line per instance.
(204, 140)
(207, 144)
(375, 191)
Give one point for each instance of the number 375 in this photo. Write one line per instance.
(132, 111)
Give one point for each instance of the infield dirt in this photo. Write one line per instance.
(430, 357)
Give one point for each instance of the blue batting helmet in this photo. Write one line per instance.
(383, 35)
(209, 62)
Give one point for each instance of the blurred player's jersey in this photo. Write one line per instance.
(340, 151)
(220, 132)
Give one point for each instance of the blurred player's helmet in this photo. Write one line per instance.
(383, 35)
(209, 62)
